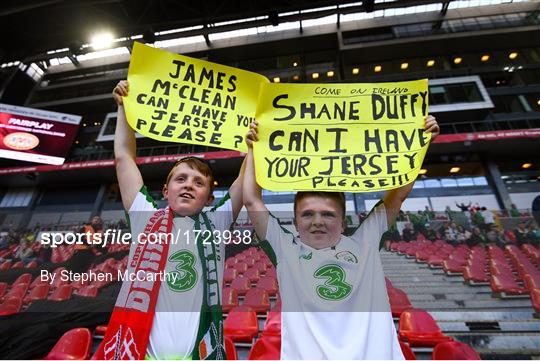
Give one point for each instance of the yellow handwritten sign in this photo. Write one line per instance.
(175, 98)
(340, 137)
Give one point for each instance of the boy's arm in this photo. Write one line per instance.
(258, 213)
(235, 191)
(394, 198)
(129, 177)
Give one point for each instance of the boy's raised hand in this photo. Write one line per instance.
(120, 90)
(431, 126)
(253, 133)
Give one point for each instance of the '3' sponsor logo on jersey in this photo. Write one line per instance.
(335, 288)
(186, 274)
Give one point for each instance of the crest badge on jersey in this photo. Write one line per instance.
(347, 256)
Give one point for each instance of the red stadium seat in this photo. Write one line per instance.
(39, 292)
(229, 274)
(24, 278)
(11, 306)
(475, 274)
(73, 345)
(258, 300)
(388, 283)
(407, 351)
(241, 285)
(6, 265)
(230, 349)
(454, 351)
(266, 348)
(269, 284)
(17, 265)
(453, 266)
(272, 326)
(505, 284)
(62, 293)
(17, 291)
(88, 291)
(241, 324)
(435, 260)
(101, 330)
(32, 264)
(399, 301)
(230, 299)
(418, 328)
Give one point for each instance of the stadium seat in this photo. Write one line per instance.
(272, 325)
(435, 260)
(241, 285)
(266, 348)
(88, 291)
(241, 324)
(230, 299)
(271, 272)
(475, 274)
(454, 351)
(418, 328)
(17, 265)
(32, 264)
(10, 306)
(5, 265)
(101, 330)
(504, 284)
(39, 292)
(269, 284)
(258, 300)
(453, 266)
(3, 288)
(73, 345)
(399, 301)
(62, 293)
(229, 274)
(230, 349)
(24, 278)
(407, 351)
(17, 291)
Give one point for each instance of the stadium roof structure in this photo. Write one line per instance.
(33, 28)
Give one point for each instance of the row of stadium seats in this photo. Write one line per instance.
(23, 291)
(514, 271)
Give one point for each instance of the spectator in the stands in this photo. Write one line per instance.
(429, 232)
(477, 237)
(430, 214)
(514, 212)
(534, 234)
(494, 235)
(522, 234)
(25, 253)
(489, 219)
(408, 233)
(85, 254)
(3, 242)
(450, 233)
(463, 206)
(44, 254)
(463, 235)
